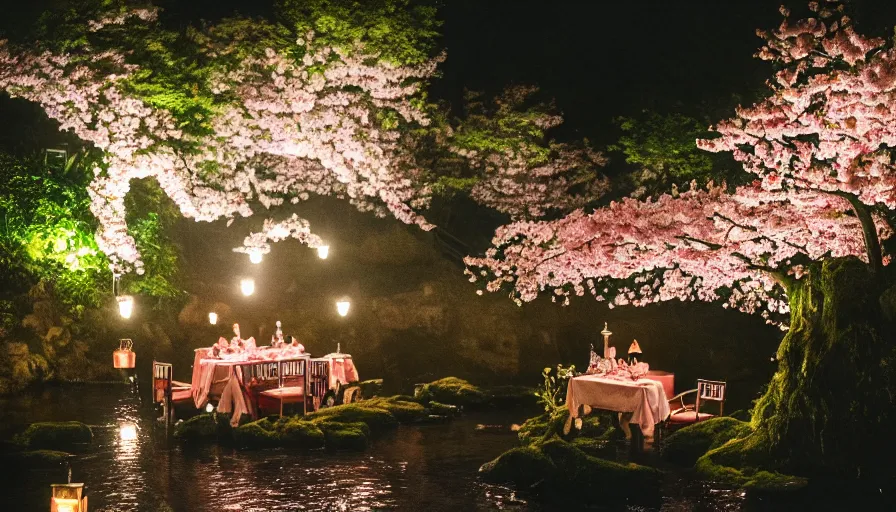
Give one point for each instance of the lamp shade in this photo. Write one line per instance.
(125, 306)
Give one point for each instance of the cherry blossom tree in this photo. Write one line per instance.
(244, 114)
(804, 239)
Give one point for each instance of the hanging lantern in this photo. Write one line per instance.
(124, 357)
(255, 257)
(342, 307)
(68, 498)
(125, 305)
(247, 286)
(323, 251)
(213, 318)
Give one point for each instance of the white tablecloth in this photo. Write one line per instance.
(643, 398)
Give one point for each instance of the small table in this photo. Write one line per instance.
(644, 399)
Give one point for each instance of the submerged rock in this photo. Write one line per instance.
(746, 463)
(39, 459)
(453, 391)
(56, 435)
(203, 426)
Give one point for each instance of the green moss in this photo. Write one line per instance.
(203, 426)
(522, 467)
(39, 459)
(371, 388)
(594, 447)
(454, 391)
(440, 409)
(746, 463)
(345, 436)
(55, 435)
(511, 396)
(404, 411)
(298, 433)
(377, 418)
(543, 427)
(688, 444)
(256, 435)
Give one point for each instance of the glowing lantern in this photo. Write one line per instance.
(213, 318)
(323, 251)
(255, 257)
(209, 408)
(68, 498)
(342, 307)
(247, 286)
(124, 357)
(127, 432)
(125, 305)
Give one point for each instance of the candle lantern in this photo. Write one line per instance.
(606, 334)
(124, 357)
(68, 498)
(125, 306)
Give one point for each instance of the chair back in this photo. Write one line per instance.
(711, 390)
(162, 373)
(292, 371)
(320, 377)
(261, 373)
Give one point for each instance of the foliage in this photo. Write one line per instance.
(688, 444)
(552, 394)
(663, 149)
(55, 435)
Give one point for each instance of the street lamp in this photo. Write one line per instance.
(323, 251)
(247, 286)
(125, 306)
(342, 306)
(213, 318)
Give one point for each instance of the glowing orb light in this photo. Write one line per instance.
(255, 257)
(247, 286)
(323, 251)
(213, 318)
(125, 306)
(209, 408)
(127, 432)
(342, 307)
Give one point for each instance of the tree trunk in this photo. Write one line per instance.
(829, 409)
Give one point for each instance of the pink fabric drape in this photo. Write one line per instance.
(644, 398)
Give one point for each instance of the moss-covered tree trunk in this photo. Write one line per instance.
(830, 407)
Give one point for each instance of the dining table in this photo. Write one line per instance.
(639, 401)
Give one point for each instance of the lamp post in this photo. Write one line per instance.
(606, 333)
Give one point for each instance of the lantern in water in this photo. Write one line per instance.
(213, 318)
(68, 498)
(124, 357)
(247, 286)
(125, 305)
(342, 307)
(323, 251)
(127, 432)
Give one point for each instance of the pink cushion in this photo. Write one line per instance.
(689, 417)
(179, 384)
(285, 392)
(181, 394)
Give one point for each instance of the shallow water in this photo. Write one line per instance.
(427, 468)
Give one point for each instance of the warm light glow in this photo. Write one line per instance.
(323, 251)
(342, 307)
(127, 432)
(255, 256)
(209, 408)
(125, 306)
(247, 286)
(213, 318)
(66, 505)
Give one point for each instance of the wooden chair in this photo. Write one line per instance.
(275, 383)
(320, 383)
(686, 414)
(166, 390)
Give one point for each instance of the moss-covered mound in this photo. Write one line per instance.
(371, 388)
(440, 409)
(455, 391)
(563, 471)
(595, 427)
(687, 445)
(746, 462)
(66, 435)
(204, 426)
(38, 459)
